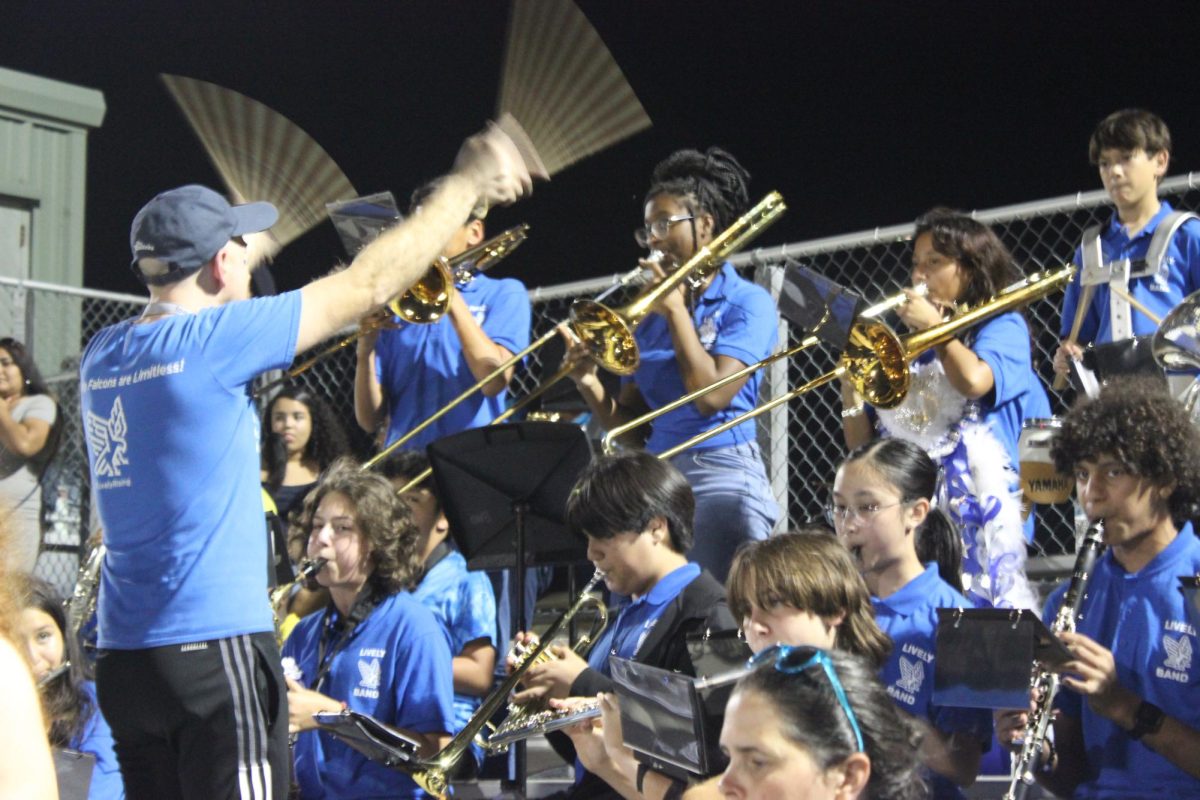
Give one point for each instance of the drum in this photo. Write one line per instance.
(1040, 481)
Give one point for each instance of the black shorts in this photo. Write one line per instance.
(200, 720)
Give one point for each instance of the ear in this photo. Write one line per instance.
(835, 620)
(219, 269)
(659, 532)
(705, 227)
(441, 526)
(474, 232)
(1160, 160)
(917, 512)
(854, 773)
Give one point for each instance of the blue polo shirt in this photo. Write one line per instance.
(909, 617)
(1178, 277)
(172, 436)
(465, 605)
(1142, 618)
(638, 617)
(421, 368)
(96, 738)
(395, 667)
(1017, 395)
(734, 318)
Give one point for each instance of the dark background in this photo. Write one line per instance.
(862, 114)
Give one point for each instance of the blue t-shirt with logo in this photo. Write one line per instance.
(172, 437)
(1178, 276)
(421, 368)
(734, 318)
(1142, 618)
(909, 617)
(465, 605)
(396, 668)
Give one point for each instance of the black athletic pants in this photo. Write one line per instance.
(203, 721)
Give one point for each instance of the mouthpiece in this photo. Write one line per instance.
(310, 568)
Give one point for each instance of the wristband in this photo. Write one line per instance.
(1148, 719)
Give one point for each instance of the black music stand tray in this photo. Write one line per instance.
(378, 742)
(504, 490)
(985, 655)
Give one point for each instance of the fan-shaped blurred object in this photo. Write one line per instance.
(562, 83)
(261, 155)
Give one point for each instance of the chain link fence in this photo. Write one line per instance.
(801, 440)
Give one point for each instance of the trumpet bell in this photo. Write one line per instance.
(428, 299)
(876, 363)
(607, 335)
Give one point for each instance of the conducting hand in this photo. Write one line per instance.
(492, 161)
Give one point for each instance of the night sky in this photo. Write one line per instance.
(862, 114)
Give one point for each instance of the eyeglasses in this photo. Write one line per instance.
(658, 229)
(838, 514)
(793, 660)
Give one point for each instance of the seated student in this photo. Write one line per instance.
(636, 512)
(461, 600)
(68, 699)
(795, 589)
(881, 510)
(375, 649)
(811, 724)
(1128, 723)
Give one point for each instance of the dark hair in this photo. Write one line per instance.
(808, 570)
(407, 464)
(426, 190)
(327, 442)
(623, 492)
(987, 265)
(34, 382)
(813, 719)
(383, 518)
(67, 705)
(1130, 129)
(1136, 421)
(908, 468)
(712, 181)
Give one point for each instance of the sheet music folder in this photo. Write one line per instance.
(985, 656)
(378, 742)
(670, 720)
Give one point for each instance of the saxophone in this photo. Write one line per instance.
(81, 604)
(431, 773)
(307, 570)
(1043, 683)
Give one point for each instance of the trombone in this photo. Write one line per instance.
(608, 332)
(609, 442)
(427, 300)
(876, 358)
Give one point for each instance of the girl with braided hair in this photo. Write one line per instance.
(697, 335)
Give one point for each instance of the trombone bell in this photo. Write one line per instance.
(428, 299)
(608, 337)
(876, 363)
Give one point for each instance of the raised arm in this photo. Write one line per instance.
(488, 167)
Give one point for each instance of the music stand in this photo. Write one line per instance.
(504, 490)
(984, 656)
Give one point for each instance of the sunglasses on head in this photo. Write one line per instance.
(792, 660)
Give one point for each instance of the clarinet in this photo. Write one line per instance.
(1043, 683)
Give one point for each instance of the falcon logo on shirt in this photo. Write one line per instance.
(478, 312)
(708, 330)
(107, 440)
(912, 675)
(369, 673)
(1179, 659)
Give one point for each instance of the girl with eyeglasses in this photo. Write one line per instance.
(28, 440)
(798, 589)
(967, 402)
(696, 336)
(909, 555)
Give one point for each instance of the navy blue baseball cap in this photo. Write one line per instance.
(185, 227)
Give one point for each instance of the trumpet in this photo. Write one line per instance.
(876, 358)
(1043, 683)
(612, 437)
(431, 773)
(427, 300)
